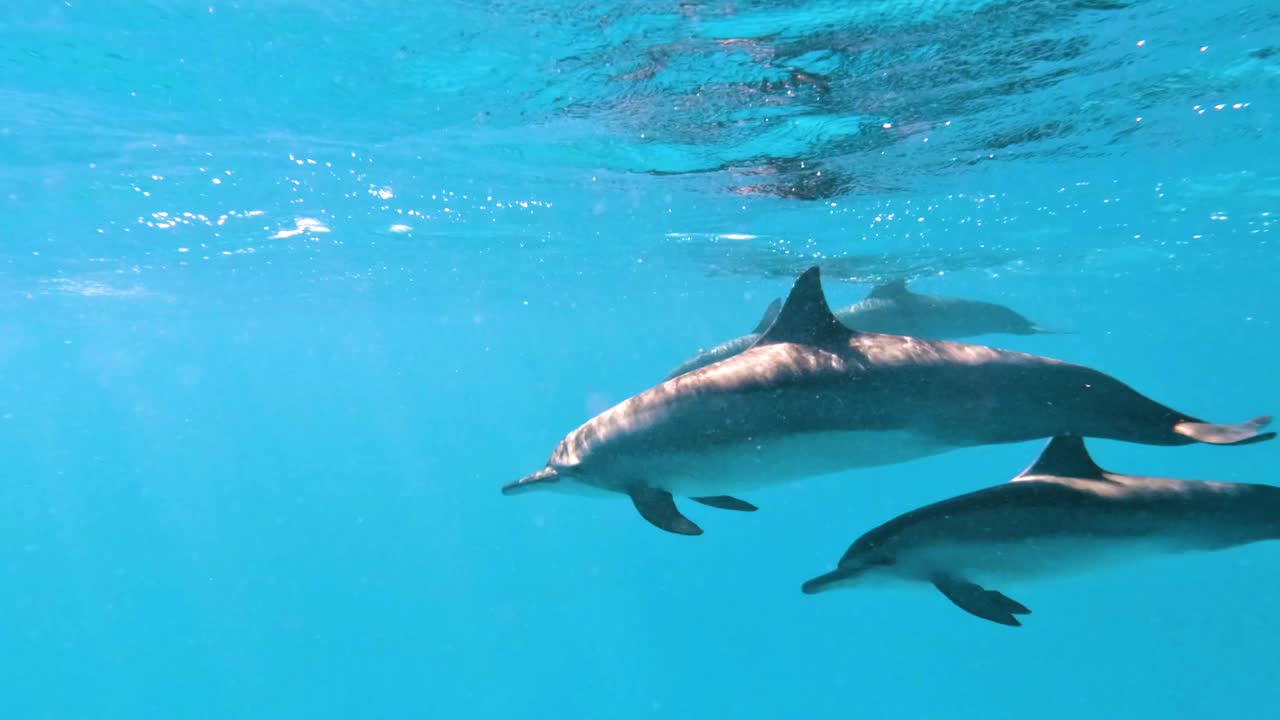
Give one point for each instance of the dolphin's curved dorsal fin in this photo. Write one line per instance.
(1064, 456)
(805, 318)
(770, 314)
(889, 290)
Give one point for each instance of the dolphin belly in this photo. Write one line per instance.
(750, 465)
(992, 563)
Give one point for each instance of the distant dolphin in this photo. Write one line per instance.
(1062, 514)
(893, 309)
(812, 396)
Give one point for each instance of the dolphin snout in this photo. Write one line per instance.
(825, 582)
(531, 482)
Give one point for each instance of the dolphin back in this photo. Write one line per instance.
(723, 351)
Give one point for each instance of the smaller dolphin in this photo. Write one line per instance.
(890, 308)
(1062, 514)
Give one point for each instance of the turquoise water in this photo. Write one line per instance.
(289, 290)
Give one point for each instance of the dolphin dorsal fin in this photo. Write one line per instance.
(891, 289)
(805, 318)
(1065, 456)
(770, 314)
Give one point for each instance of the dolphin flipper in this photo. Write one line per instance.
(1238, 434)
(659, 508)
(725, 502)
(977, 600)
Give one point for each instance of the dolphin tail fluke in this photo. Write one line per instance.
(659, 508)
(1243, 433)
(981, 602)
(725, 502)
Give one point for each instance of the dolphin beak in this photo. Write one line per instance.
(825, 582)
(531, 482)
(1039, 330)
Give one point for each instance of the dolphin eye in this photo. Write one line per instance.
(885, 561)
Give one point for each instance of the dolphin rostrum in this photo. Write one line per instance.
(812, 397)
(1063, 514)
(892, 309)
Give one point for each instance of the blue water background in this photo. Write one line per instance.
(252, 431)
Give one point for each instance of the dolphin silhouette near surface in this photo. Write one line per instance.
(1061, 515)
(811, 396)
(892, 309)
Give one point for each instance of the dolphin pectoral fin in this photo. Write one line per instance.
(977, 600)
(1238, 434)
(724, 502)
(659, 508)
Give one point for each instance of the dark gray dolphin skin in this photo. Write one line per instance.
(1061, 515)
(812, 397)
(892, 309)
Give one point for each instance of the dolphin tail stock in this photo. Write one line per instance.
(1245, 433)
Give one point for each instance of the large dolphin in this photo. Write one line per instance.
(892, 309)
(812, 396)
(1062, 514)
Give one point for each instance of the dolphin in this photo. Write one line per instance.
(812, 396)
(1061, 515)
(893, 309)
